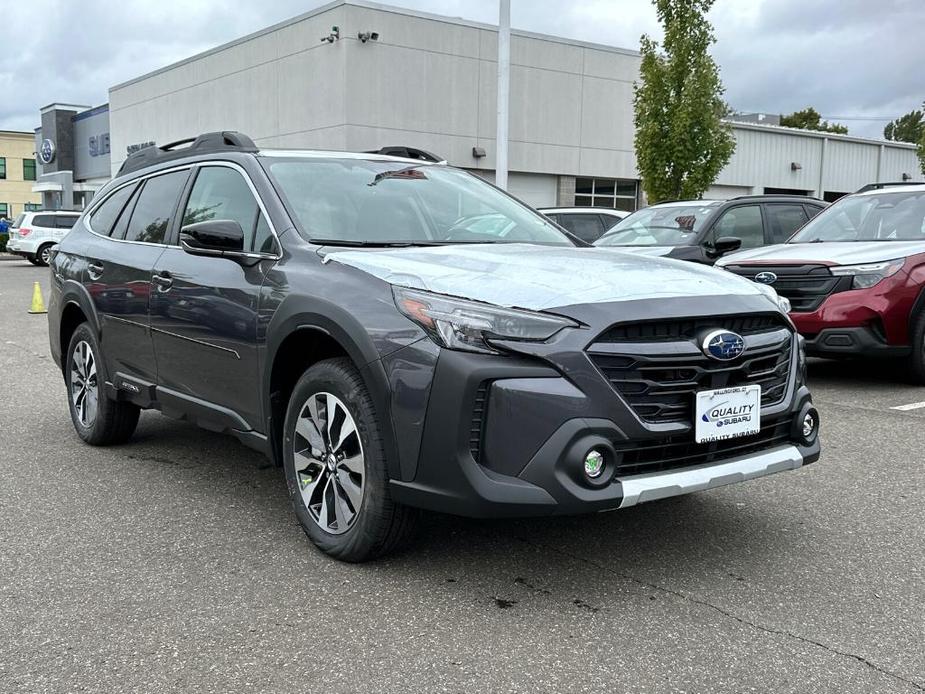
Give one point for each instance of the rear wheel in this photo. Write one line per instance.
(32, 258)
(43, 255)
(97, 419)
(917, 358)
(336, 467)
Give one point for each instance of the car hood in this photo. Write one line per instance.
(542, 277)
(652, 251)
(826, 253)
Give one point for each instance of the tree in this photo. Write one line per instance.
(681, 142)
(809, 119)
(907, 128)
(920, 150)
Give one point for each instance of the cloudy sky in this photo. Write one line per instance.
(857, 59)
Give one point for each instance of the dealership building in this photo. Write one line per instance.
(355, 75)
(72, 155)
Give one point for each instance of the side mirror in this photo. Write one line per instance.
(223, 237)
(726, 244)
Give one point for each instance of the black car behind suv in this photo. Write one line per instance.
(399, 334)
(705, 230)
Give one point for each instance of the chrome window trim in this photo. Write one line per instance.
(188, 167)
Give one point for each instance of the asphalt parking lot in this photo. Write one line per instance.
(175, 563)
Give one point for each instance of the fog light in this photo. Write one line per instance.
(809, 426)
(594, 464)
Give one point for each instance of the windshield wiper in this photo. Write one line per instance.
(392, 244)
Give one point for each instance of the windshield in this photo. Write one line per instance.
(665, 225)
(367, 202)
(881, 217)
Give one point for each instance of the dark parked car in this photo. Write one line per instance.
(398, 334)
(705, 230)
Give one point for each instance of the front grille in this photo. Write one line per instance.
(477, 424)
(689, 328)
(806, 286)
(659, 380)
(680, 451)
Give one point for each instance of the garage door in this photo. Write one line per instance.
(537, 190)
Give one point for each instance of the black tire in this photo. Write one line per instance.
(32, 259)
(917, 358)
(41, 255)
(114, 422)
(380, 526)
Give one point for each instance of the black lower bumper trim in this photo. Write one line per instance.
(852, 342)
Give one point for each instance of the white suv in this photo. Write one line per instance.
(34, 233)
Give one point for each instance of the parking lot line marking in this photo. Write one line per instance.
(910, 406)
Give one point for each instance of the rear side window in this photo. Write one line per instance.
(587, 227)
(65, 221)
(44, 220)
(222, 193)
(105, 215)
(154, 208)
(783, 220)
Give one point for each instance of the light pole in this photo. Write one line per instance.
(504, 92)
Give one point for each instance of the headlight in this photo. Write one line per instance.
(468, 325)
(868, 275)
(782, 302)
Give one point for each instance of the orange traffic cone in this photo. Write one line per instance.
(38, 306)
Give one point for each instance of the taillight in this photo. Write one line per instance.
(25, 231)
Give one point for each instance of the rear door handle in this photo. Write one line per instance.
(95, 270)
(163, 281)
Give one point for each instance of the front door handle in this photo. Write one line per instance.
(163, 281)
(95, 271)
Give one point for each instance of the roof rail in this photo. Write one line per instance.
(777, 195)
(879, 186)
(407, 153)
(223, 141)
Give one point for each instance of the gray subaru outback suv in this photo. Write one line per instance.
(400, 335)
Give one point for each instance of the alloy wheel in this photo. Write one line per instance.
(84, 386)
(329, 463)
(45, 255)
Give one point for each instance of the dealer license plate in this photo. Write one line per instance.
(727, 413)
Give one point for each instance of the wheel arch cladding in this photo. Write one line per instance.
(72, 315)
(306, 341)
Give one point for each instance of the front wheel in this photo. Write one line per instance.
(98, 420)
(335, 466)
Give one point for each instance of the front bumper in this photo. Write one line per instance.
(507, 437)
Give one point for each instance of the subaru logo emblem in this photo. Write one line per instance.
(766, 277)
(723, 345)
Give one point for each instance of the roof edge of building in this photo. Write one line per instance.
(372, 6)
(819, 134)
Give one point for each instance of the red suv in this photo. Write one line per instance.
(854, 276)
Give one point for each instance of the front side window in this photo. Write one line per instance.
(783, 220)
(105, 215)
(28, 169)
(742, 223)
(222, 193)
(660, 225)
(880, 217)
(154, 207)
(359, 201)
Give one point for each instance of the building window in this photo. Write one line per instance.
(2, 167)
(4, 210)
(32, 207)
(617, 194)
(28, 169)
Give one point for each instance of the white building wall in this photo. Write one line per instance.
(828, 163)
(428, 82)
